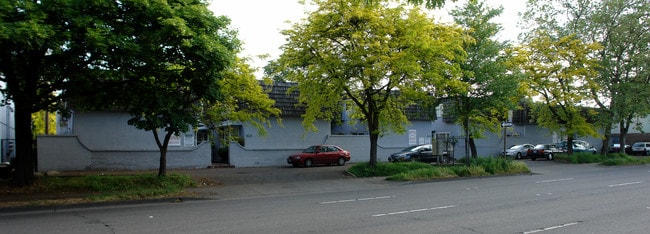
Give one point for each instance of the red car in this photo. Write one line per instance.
(320, 154)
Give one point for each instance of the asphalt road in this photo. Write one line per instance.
(556, 198)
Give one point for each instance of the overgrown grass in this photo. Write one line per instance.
(411, 171)
(615, 159)
(117, 187)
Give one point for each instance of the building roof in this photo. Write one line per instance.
(288, 103)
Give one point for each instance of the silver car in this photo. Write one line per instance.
(518, 151)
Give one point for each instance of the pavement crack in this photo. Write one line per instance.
(95, 221)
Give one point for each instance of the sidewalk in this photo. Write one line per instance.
(264, 181)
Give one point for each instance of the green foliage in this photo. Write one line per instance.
(385, 169)
(378, 58)
(493, 89)
(427, 3)
(621, 28)
(615, 159)
(561, 73)
(620, 161)
(39, 123)
(244, 100)
(499, 165)
(579, 158)
(424, 174)
(117, 187)
(409, 171)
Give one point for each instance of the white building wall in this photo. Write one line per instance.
(104, 140)
(7, 131)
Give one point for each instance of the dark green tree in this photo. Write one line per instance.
(493, 88)
(621, 28)
(154, 59)
(37, 53)
(167, 57)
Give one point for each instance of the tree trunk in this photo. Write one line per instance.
(607, 128)
(24, 164)
(373, 129)
(162, 146)
(624, 127)
(472, 147)
(569, 144)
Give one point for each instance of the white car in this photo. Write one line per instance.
(641, 148)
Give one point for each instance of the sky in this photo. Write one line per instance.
(259, 22)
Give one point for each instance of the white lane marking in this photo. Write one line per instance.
(358, 199)
(539, 194)
(413, 211)
(623, 184)
(549, 181)
(551, 228)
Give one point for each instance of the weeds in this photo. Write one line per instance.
(409, 171)
(616, 159)
(118, 186)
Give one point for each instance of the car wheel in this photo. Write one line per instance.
(518, 156)
(413, 159)
(340, 162)
(309, 162)
(533, 158)
(550, 157)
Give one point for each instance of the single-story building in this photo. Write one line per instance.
(103, 140)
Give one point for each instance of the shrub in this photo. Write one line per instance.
(118, 186)
(424, 174)
(385, 169)
(580, 158)
(422, 171)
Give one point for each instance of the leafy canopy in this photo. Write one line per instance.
(244, 100)
(561, 73)
(376, 58)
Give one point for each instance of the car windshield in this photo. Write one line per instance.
(515, 147)
(411, 148)
(638, 144)
(540, 146)
(311, 149)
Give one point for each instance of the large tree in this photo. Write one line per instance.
(377, 58)
(154, 59)
(170, 56)
(561, 72)
(426, 3)
(493, 90)
(621, 27)
(36, 55)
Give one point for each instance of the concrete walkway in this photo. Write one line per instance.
(265, 181)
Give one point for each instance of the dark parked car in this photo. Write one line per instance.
(547, 151)
(641, 148)
(422, 153)
(616, 148)
(320, 154)
(518, 151)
